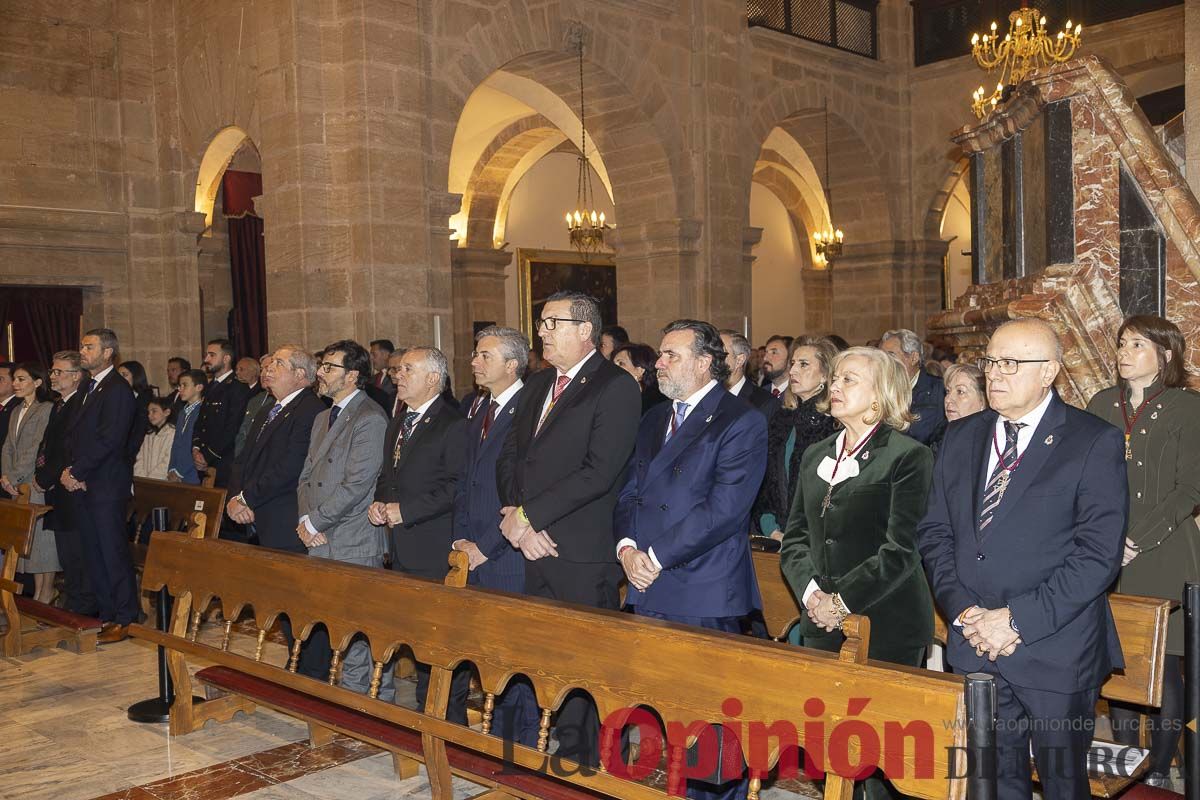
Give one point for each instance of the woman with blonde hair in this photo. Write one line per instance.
(850, 546)
(794, 425)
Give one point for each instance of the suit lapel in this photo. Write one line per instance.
(1035, 456)
(574, 389)
(427, 420)
(261, 432)
(978, 474)
(328, 434)
(707, 411)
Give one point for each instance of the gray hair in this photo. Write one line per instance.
(513, 345)
(910, 343)
(301, 359)
(72, 357)
(739, 344)
(435, 361)
(583, 307)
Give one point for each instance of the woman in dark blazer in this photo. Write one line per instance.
(850, 545)
(638, 360)
(794, 425)
(1161, 420)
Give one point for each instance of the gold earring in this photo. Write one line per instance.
(874, 407)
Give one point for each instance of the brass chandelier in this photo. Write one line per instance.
(1026, 47)
(828, 243)
(585, 225)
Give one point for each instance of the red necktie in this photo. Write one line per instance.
(492, 408)
(775, 391)
(560, 385)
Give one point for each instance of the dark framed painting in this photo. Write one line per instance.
(541, 273)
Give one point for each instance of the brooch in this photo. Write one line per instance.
(866, 454)
(1050, 439)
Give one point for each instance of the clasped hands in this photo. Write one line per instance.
(521, 535)
(68, 482)
(822, 611)
(310, 539)
(989, 631)
(639, 568)
(385, 514)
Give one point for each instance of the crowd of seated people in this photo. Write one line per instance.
(895, 478)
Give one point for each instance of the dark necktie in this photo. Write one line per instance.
(406, 427)
(275, 409)
(775, 391)
(493, 407)
(91, 384)
(993, 493)
(333, 415)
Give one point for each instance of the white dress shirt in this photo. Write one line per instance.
(501, 400)
(692, 402)
(736, 389)
(571, 373)
(1024, 435)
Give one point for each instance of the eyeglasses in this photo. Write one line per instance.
(550, 323)
(329, 366)
(1007, 366)
(56, 372)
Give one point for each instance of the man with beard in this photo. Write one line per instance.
(775, 365)
(225, 400)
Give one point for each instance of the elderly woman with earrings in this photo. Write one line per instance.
(1161, 421)
(794, 425)
(850, 546)
(18, 460)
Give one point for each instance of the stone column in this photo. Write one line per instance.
(477, 284)
(750, 239)
(882, 285)
(1191, 83)
(656, 275)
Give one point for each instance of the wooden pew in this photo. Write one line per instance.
(194, 510)
(684, 673)
(32, 624)
(1141, 626)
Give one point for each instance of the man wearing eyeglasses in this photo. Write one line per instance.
(336, 485)
(558, 476)
(1022, 537)
(66, 375)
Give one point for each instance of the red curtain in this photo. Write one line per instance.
(247, 262)
(44, 320)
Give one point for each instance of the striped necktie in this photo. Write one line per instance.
(993, 493)
(676, 419)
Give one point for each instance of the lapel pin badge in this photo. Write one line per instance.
(866, 454)
(709, 419)
(582, 381)
(512, 410)
(1050, 439)
(1154, 415)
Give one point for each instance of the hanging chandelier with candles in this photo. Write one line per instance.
(828, 243)
(1026, 47)
(585, 225)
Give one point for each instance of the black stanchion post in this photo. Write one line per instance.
(158, 709)
(1191, 689)
(981, 736)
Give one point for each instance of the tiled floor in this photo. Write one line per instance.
(64, 735)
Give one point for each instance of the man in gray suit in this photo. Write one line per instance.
(337, 485)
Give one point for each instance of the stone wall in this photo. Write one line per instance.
(108, 107)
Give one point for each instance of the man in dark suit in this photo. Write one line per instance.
(8, 402)
(737, 350)
(265, 474)
(559, 474)
(928, 392)
(225, 399)
(684, 512)
(423, 454)
(66, 375)
(384, 389)
(498, 363)
(1023, 535)
(102, 444)
(775, 365)
(260, 398)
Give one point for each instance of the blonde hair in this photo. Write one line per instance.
(893, 389)
(825, 351)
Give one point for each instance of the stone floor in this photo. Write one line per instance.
(64, 735)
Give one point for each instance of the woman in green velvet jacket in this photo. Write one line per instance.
(851, 540)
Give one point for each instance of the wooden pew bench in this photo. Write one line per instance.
(1141, 626)
(194, 510)
(683, 673)
(32, 624)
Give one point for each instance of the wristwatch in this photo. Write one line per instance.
(1012, 623)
